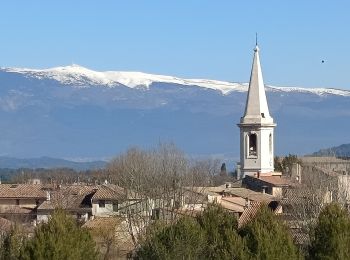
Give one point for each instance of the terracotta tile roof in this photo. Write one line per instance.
(68, 202)
(275, 180)
(109, 192)
(249, 213)
(78, 189)
(22, 191)
(235, 192)
(71, 197)
(250, 194)
(100, 222)
(227, 204)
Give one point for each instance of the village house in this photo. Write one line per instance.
(271, 183)
(36, 202)
(19, 202)
(107, 200)
(75, 199)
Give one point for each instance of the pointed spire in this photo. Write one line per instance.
(256, 110)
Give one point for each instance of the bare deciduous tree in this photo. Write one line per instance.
(158, 183)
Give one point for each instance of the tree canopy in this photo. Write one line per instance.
(60, 238)
(330, 239)
(268, 238)
(215, 235)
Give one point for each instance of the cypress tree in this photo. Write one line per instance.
(11, 244)
(182, 240)
(330, 239)
(268, 238)
(60, 238)
(222, 239)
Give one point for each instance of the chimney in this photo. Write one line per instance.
(247, 202)
(258, 174)
(48, 195)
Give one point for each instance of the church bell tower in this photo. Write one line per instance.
(256, 126)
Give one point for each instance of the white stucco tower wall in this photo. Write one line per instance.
(256, 126)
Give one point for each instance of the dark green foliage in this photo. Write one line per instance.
(212, 235)
(330, 238)
(60, 238)
(11, 244)
(223, 170)
(267, 238)
(215, 235)
(183, 240)
(220, 230)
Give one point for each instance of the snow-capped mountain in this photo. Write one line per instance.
(79, 76)
(73, 111)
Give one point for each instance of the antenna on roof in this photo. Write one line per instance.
(256, 39)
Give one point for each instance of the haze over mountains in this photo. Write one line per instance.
(338, 151)
(74, 112)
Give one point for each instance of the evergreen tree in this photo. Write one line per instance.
(212, 235)
(11, 244)
(267, 238)
(330, 239)
(223, 171)
(222, 239)
(60, 238)
(182, 240)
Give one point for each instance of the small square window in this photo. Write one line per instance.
(101, 203)
(115, 206)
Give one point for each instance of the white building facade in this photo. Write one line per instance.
(256, 127)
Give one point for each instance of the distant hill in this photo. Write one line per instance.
(338, 151)
(48, 163)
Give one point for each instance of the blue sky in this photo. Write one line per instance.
(193, 39)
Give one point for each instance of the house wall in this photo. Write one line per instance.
(277, 192)
(103, 211)
(343, 188)
(257, 185)
(42, 218)
(23, 203)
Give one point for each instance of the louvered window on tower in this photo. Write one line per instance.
(252, 145)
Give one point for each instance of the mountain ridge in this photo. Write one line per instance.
(48, 163)
(342, 150)
(79, 75)
(40, 115)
